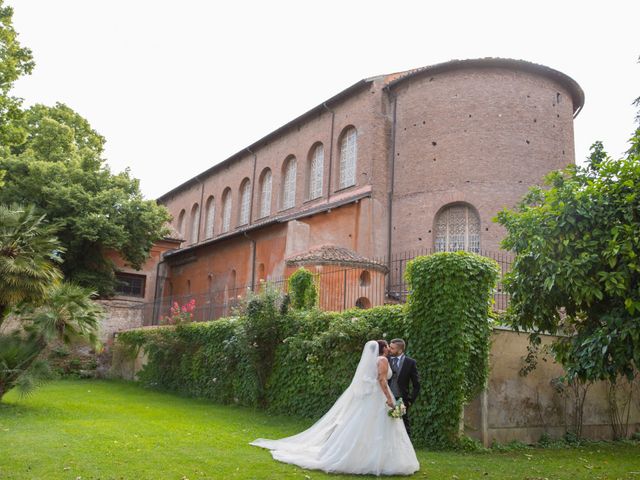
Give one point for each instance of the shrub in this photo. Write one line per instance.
(302, 290)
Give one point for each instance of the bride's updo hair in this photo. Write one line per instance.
(382, 344)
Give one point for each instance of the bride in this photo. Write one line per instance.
(356, 435)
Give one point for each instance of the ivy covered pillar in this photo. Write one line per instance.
(447, 315)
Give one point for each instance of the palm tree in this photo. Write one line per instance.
(31, 289)
(67, 314)
(29, 257)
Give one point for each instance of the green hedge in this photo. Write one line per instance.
(316, 364)
(314, 361)
(298, 362)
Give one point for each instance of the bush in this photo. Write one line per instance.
(302, 290)
(315, 355)
(314, 366)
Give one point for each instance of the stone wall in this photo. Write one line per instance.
(513, 407)
(516, 407)
(120, 315)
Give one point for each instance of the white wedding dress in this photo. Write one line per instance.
(356, 435)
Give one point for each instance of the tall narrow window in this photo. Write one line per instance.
(289, 184)
(348, 158)
(457, 228)
(316, 170)
(195, 223)
(210, 212)
(245, 202)
(226, 210)
(265, 194)
(180, 224)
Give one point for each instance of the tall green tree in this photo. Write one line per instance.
(577, 264)
(15, 61)
(52, 158)
(60, 169)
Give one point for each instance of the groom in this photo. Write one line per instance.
(404, 371)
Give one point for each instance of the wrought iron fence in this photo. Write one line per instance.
(398, 288)
(339, 288)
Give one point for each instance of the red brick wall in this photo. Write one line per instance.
(481, 136)
(361, 111)
(148, 269)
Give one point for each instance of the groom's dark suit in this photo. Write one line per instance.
(405, 372)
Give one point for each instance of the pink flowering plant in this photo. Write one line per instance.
(181, 313)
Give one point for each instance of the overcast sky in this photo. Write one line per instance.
(177, 86)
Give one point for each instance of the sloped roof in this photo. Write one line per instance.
(334, 255)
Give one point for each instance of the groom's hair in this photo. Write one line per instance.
(399, 342)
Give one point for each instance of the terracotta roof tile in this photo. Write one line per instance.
(334, 255)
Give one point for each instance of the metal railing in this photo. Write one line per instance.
(398, 288)
(339, 288)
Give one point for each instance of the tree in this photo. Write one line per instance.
(29, 255)
(577, 264)
(51, 157)
(59, 168)
(67, 314)
(15, 61)
(43, 307)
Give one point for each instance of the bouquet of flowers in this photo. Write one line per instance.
(398, 411)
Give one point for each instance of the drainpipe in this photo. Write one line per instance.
(333, 117)
(253, 261)
(156, 294)
(253, 186)
(391, 189)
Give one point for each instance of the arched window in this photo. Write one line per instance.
(245, 202)
(265, 193)
(457, 228)
(195, 223)
(316, 171)
(289, 183)
(180, 223)
(348, 157)
(210, 215)
(226, 210)
(363, 303)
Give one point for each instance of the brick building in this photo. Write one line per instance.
(421, 159)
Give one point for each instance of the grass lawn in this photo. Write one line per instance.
(117, 430)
